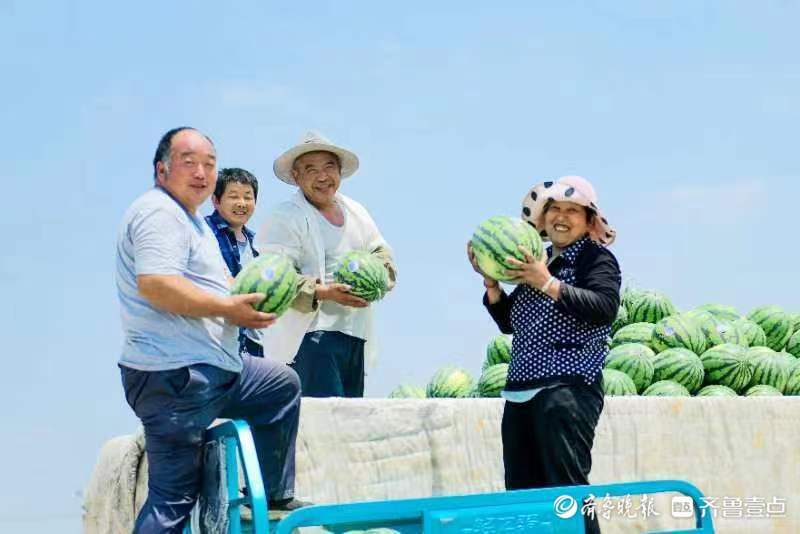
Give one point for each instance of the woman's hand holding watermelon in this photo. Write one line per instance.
(493, 289)
(533, 271)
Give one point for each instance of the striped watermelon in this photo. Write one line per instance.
(666, 388)
(793, 345)
(721, 311)
(795, 318)
(678, 331)
(498, 238)
(628, 296)
(679, 365)
(727, 365)
(793, 362)
(634, 333)
(364, 273)
(635, 360)
(793, 384)
(498, 351)
(407, 391)
(755, 334)
(762, 390)
(620, 321)
(273, 275)
(776, 323)
(450, 381)
(493, 380)
(769, 368)
(650, 307)
(616, 383)
(716, 391)
(719, 331)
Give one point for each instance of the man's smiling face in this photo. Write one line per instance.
(318, 176)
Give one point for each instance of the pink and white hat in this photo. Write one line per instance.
(567, 189)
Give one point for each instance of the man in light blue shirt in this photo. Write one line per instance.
(180, 362)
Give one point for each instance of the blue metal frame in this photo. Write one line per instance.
(416, 510)
(425, 513)
(239, 445)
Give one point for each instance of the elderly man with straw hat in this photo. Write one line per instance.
(327, 334)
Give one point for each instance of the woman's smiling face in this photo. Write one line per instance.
(565, 222)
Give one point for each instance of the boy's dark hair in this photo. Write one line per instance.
(165, 147)
(235, 175)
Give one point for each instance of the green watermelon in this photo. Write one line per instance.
(769, 368)
(719, 331)
(497, 239)
(727, 365)
(273, 275)
(753, 333)
(616, 383)
(498, 351)
(795, 318)
(493, 380)
(679, 365)
(650, 307)
(628, 297)
(364, 273)
(634, 333)
(666, 388)
(450, 381)
(716, 391)
(793, 345)
(620, 321)
(762, 390)
(678, 331)
(407, 391)
(635, 360)
(793, 384)
(776, 323)
(721, 311)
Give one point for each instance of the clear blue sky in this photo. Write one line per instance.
(684, 115)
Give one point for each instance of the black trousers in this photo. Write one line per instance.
(547, 441)
(330, 364)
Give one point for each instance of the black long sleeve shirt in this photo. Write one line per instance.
(562, 341)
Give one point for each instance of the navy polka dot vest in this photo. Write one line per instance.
(549, 344)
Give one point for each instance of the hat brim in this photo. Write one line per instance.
(283, 164)
(535, 200)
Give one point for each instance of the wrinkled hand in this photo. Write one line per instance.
(533, 271)
(340, 293)
(239, 311)
(471, 255)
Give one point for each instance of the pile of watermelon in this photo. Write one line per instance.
(656, 350)
(456, 382)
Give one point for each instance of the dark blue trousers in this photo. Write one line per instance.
(330, 364)
(177, 406)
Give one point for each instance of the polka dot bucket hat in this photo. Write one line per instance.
(567, 189)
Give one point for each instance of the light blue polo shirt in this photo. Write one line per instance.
(158, 236)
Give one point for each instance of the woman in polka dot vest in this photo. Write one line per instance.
(560, 314)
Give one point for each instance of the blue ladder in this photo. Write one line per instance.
(518, 511)
(239, 447)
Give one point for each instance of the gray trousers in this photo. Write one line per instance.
(177, 406)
